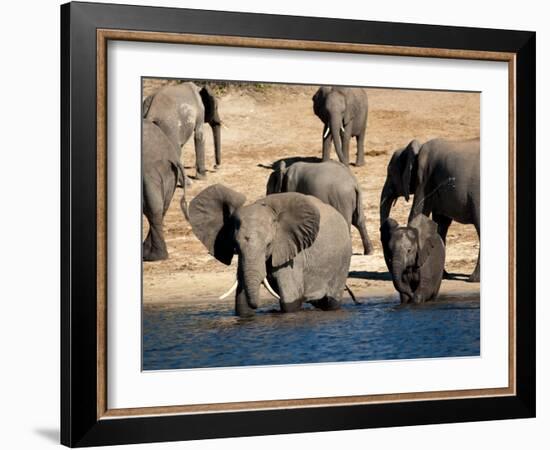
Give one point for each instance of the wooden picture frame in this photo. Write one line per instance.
(85, 417)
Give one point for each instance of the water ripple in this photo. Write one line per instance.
(209, 335)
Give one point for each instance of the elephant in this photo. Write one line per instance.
(329, 181)
(298, 247)
(161, 173)
(344, 112)
(182, 110)
(415, 256)
(443, 176)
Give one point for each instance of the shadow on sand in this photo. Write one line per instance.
(289, 161)
(366, 275)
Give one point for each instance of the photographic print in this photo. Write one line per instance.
(300, 224)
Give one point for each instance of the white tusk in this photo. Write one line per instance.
(270, 289)
(342, 128)
(231, 289)
(326, 133)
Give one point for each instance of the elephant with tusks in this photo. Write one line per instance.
(298, 247)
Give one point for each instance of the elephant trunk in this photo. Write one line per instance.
(252, 273)
(335, 125)
(386, 199)
(216, 133)
(397, 274)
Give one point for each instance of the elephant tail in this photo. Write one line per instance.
(146, 105)
(352, 295)
(181, 179)
(358, 211)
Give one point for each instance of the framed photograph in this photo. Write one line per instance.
(272, 224)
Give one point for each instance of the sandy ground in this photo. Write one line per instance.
(266, 123)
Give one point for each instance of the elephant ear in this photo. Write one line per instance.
(427, 237)
(210, 215)
(276, 179)
(210, 105)
(146, 105)
(408, 157)
(319, 99)
(386, 231)
(297, 225)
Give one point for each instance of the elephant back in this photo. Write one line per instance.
(156, 145)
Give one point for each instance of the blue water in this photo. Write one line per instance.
(209, 335)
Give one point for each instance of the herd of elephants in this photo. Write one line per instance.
(296, 240)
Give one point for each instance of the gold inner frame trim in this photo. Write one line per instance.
(103, 36)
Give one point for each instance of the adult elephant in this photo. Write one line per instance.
(443, 175)
(344, 112)
(162, 172)
(329, 181)
(292, 241)
(181, 111)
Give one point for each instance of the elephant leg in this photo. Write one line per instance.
(199, 152)
(327, 144)
(360, 159)
(290, 307)
(289, 281)
(443, 224)
(405, 298)
(326, 304)
(475, 276)
(362, 228)
(154, 246)
(424, 289)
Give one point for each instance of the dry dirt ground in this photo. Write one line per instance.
(267, 122)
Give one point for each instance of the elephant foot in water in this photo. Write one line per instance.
(291, 307)
(326, 304)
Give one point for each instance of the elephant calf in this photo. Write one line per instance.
(332, 183)
(162, 171)
(415, 256)
(293, 241)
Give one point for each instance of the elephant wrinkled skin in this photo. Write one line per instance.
(181, 111)
(344, 112)
(162, 172)
(415, 256)
(299, 244)
(332, 183)
(443, 176)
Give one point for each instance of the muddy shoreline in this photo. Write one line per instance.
(262, 127)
